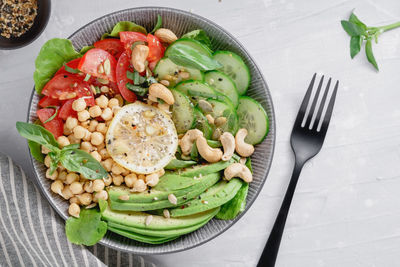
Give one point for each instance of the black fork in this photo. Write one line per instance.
(306, 141)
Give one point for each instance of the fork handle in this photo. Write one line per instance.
(270, 252)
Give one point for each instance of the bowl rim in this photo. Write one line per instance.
(271, 121)
(31, 40)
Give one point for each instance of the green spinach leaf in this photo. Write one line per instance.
(36, 151)
(77, 160)
(51, 57)
(37, 134)
(352, 29)
(199, 35)
(124, 26)
(86, 230)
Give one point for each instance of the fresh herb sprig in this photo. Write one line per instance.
(71, 157)
(359, 32)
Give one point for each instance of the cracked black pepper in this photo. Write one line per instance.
(16, 17)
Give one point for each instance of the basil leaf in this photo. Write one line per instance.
(37, 134)
(198, 35)
(352, 29)
(52, 116)
(141, 91)
(54, 156)
(186, 56)
(85, 49)
(124, 26)
(136, 78)
(354, 19)
(51, 57)
(77, 160)
(370, 55)
(71, 146)
(36, 151)
(158, 24)
(86, 230)
(355, 45)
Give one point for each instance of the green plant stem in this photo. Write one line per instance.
(385, 28)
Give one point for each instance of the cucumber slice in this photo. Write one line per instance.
(202, 124)
(192, 43)
(195, 89)
(253, 117)
(223, 109)
(168, 70)
(182, 112)
(235, 68)
(221, 83)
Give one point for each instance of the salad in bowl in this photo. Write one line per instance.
(147, 135)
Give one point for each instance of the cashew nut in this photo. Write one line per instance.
(165, 35)
(153, 178)
(210, 119)
(238, 170)
(206, 152)
(160, 91)
(139, 56)
(242, 148)
(188, 139)
(228, 143)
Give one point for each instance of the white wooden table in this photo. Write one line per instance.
(346, 211)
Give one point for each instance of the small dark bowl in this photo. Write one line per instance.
(39, 24)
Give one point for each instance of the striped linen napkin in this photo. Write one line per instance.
(31, 234)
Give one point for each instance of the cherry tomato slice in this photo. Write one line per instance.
(72, 64)
(55, 126)
(92, 60)
(156, 49)
(112, 46)
(122, 67)
(65, 86)
(66, 110)
(48, 101)
(128, 38)
(153, 64)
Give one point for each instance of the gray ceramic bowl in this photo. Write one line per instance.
(179, 22)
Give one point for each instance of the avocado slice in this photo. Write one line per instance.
(157, 195)
(165, 233)
(137, 219)
(201, 170)
(141, 238)
(216, 196)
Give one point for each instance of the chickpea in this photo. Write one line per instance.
(73, 140)
(130, 179)
(97, 138)
(88, 186)
(95, 111)
(107, 164)
(107, 114)
(152, 179)
(104, 153)
(52, 176)
(108, 180)
(76, 188)
(104, 89)
(85, 198)
(101, 127)
(83, 115)
(71, 177)
(74, 210)
(79, 104)
(75, 200)
(139, 185)
(96, 155)
(98, 185)
(66, 192)
(79, 132)
(66, 130)
(120, 100)
(63, 141)
(100, 195)
(118, 179)
(62, 175)
(113, 102)
(86, 146)
(47, 161)
(125, 172)
(88, 135)
(101, 146)
(85, 124)
(60, 168)
(71, 123)
(102, 101)
(117, 169)
(45, 150)
(142, 177)
(57, 186)
(92, 126)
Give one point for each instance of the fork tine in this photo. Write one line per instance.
(304, 104)
(314, 103)
(329, 110)
(322, 104)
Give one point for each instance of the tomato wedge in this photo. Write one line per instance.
(112, 46)
(48, 101)
(92, 60)
(72, 64)
(128, 38)
(122, 67)
(66, 110)
(67, 86)
(156, 49)
(55, 126)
